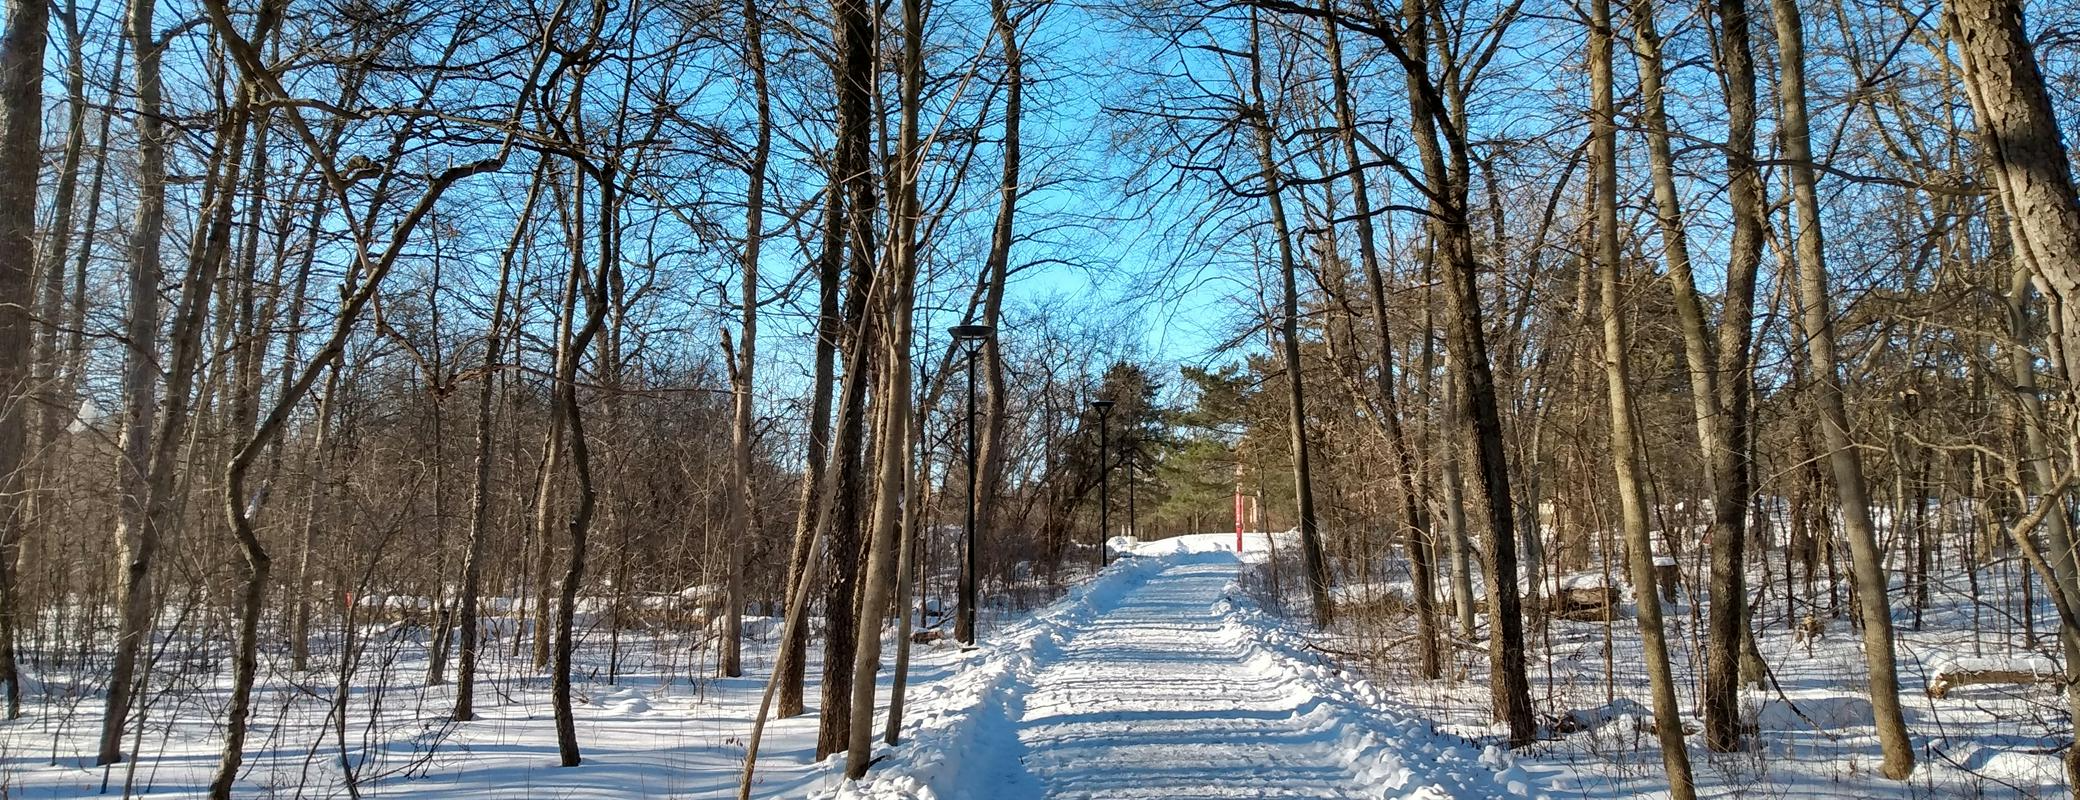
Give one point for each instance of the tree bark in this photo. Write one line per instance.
(1429, 664)
(853, 72)
(1312, 561)
(1459, 551)
(21, 163)
(1617, 369)
(1845, 460)
(2019, 134)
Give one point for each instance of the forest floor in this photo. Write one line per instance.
(1813, 735)
(653, 720)
(1172, 674)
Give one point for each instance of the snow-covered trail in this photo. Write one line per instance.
(1160, 680)
(1158, 698)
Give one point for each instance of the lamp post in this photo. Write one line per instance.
(1104, 408)
(1133, 462)
(964, 623)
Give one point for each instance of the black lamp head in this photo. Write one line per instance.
(970, 332)
(1103, 406)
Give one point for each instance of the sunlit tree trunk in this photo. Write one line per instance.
(1843, 457)
(1720, 383)
(1312, 559)
(1617, 369)
(137, 541)
(1429, 663)
(2019, 134)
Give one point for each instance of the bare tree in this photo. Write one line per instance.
(137, 537)
(21, 162)
(2019, 133)
(1843, 458)
(480, 492)
(1617, 370)
(741, 375)
(1407, 472)
(1261, 123)
(1720, 380)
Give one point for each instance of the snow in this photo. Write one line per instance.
(1818, 711)
(1161, 680)
(1814, 736)
(664, 727)
(1157, 677)
(1254, 542)
(1942, 663)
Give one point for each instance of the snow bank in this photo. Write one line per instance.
(1252, 542)
(1398, 752)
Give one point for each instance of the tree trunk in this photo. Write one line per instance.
(1414, 513)
(853, 73)
(2019, 134)
(990, 455)
(1453, 482)
(1843, 457)
(917, 485)
(480, 491)
(825, 513)
(741, 376)
(581, 461)
(793, 662)
(21, 162)
(1441, 140)
(1720, 385)
(899, 295)
(58, 405)
(137, 541)
(1617, 368)
(76, 318)
(545, 486)
(357, 293)
(320, 466)
(1312, 561)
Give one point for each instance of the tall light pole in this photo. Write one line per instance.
(1133, 462)
(1104, 408)
(964, 623)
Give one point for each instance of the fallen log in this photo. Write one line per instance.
(1952, 673)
